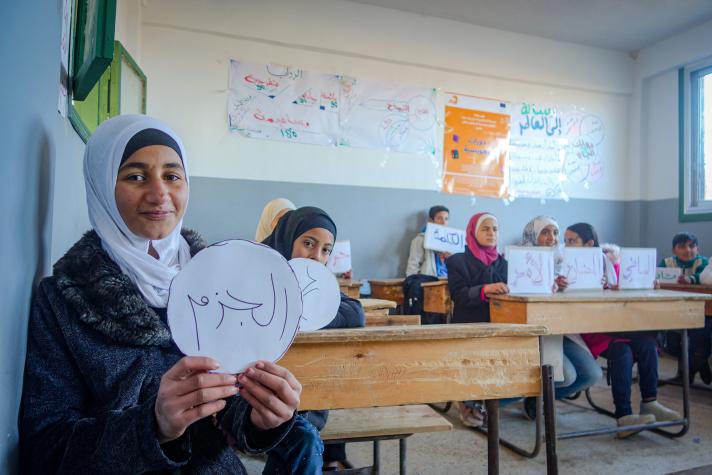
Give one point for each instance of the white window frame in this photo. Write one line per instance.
(693, 206)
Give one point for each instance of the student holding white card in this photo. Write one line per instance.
(622, 350)
(474, 275)
(105, 387)
(579, 367)
(310, 233)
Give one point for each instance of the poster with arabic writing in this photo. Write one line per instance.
(282, 103)
(637, 268)
(476, 146)
(550, 146)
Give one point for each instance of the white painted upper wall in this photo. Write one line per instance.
(655, 136)
(186, 46)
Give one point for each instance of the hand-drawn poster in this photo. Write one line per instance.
(550, 146)
(637, 268)
(288, 104)
(583, 267)
(476, 146)
(530, 270)
(444, 239)
(320, 293)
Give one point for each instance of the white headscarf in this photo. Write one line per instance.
(102, 158)
(531, 233)
(272, 209)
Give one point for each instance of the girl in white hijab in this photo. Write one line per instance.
(273, 210)
(105, 152)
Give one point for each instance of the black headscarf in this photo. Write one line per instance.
(585, 232)
(295, 223)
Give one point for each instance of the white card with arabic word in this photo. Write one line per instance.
(637, 268)
(667, 275)
(530, 270)
(237, 302)
(320, 293)
(340, 258)
(583, 267)
(443, 239)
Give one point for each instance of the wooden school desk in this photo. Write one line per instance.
(390, 366)
(352, 288)
(377, 306)
(388, 289)
(436, 297)
(609, 311)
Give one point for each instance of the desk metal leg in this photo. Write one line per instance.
(685, 391)
(492, 436)
(376, 457)
(552, 461)
(402, 452)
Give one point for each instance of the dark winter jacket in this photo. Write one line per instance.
(466, 277)
(95, 356)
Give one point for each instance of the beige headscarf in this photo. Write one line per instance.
(272, 209)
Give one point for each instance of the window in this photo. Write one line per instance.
(695, 83)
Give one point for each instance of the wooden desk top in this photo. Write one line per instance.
(375, 304)
(700, 288)
(350, 282)
(422, 332)
(389, 366)
(435, 283)
(397, 281)
(602, 310)
(575, 296)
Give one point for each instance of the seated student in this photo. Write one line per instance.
(474, 275)
(105, 388)
(622, 350)
(424, 265)
(579, 367)
(310, 233)
(271, 214)
(686, 257)
(423, 261)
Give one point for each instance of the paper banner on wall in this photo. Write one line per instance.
(282, 103)
(476, 146)
(638, 268)
(443, 239)
(583, 267)
(552, 145)
(235, 301)
(530, 270)
(320, 293)
(340, 258)
(667, 275)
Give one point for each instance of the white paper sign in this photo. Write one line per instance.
(583, 267)
(340, 258)
(637, 268)
(444, 239)
(320, 293)
(237, 302)
(530, 270)
(667, 275)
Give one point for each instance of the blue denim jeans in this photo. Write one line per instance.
(580, 370)
(299, 452)
(621, 356)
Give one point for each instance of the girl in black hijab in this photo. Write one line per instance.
(310, 233)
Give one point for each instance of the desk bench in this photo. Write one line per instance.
(382, 423)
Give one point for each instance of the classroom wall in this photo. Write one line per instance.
(657, 137)
(38, 170)
(186, 49)
(187, 46)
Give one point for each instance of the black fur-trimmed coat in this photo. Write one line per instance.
(95, 356)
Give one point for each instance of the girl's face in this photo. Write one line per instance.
(686, 251)
(486, 234)
(549, 236)
(572, 239)
(315, 244)
(151, 191)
